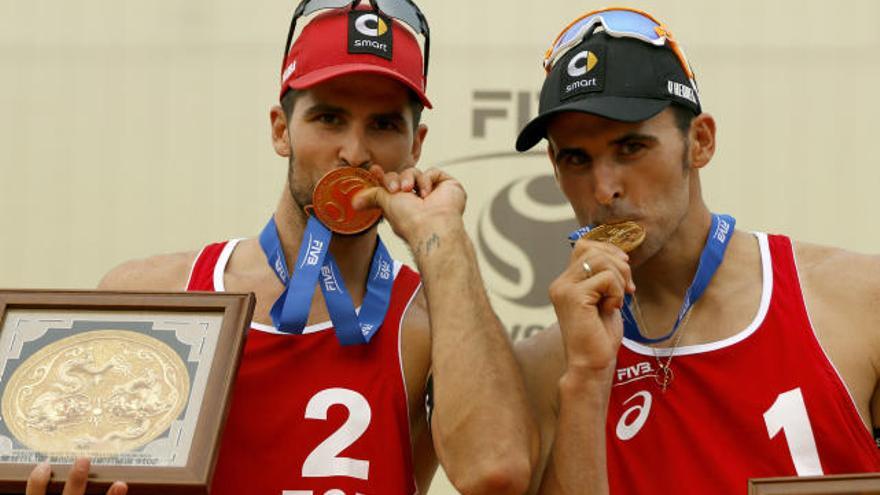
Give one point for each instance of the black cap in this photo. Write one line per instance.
(617, 78)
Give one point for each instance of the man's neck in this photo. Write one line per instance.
(664, 278)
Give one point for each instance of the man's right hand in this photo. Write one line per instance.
(76, 480)
(437, 206)
(587, 298)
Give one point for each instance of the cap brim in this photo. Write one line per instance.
(624, 109)
(321, 75)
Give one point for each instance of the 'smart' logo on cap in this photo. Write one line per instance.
(369, 33)
(584, 72)
(371, 25)
(582, 63)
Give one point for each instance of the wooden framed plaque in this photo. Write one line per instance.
(138, 382)
(852, 484)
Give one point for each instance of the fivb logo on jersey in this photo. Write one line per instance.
(585, 72)
(370, 33)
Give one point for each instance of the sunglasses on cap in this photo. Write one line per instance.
(619, 22)
(403, 10)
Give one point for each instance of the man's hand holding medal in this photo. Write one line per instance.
(417, 204)
(589, 294)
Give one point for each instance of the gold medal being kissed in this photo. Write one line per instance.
(625, 235)
(331, 201)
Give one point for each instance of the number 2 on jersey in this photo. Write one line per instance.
(324, 460)
(789, 415)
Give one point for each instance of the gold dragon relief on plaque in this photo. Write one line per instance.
(97, 393)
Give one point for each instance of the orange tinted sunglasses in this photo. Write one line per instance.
(619, 22)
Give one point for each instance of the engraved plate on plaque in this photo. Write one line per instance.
(97, 393)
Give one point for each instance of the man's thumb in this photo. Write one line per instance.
(370, 197)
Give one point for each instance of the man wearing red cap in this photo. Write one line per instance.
(319, 409)
(688, 356)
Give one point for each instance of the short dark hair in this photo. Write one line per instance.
(683, 117)
(288, 102)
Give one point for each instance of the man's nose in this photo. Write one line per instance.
(354, 150)
(608, 185)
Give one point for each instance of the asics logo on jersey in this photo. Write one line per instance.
(371, 25)
(629, 426)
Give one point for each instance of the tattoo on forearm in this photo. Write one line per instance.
(426, 247)
(433, 243)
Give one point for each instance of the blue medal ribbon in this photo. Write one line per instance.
(713, 253)
(314, 263)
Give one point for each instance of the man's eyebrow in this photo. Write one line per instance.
(393, 115)
(633, 136)
(319, 108)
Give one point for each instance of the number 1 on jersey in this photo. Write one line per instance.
(789, 414)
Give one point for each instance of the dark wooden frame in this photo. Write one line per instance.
(851, 484)
(195, 477)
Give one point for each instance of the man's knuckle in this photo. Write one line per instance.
(558, 290)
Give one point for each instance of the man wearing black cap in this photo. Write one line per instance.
(323, 407)
(744, 355)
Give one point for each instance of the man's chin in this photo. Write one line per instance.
(642, 254)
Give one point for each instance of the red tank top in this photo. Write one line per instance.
(309, 416)
(765, 402)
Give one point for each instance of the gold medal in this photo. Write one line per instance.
(96, 393)
(626, 235)
(331, 200)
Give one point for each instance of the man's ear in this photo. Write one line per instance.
(280, 136)
(418, 142)
(702, 140)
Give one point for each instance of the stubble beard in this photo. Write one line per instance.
(654, 245)
(302, 196)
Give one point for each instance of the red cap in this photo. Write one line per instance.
(343, 42)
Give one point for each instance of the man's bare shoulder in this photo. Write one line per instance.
(164, 272)
(835, 272)
(417, 313)
(417, 330)
(540, 346)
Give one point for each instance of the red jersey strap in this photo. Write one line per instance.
(406, 283)
(787, 293)
(202, 275)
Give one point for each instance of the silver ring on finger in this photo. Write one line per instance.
(587, 270)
